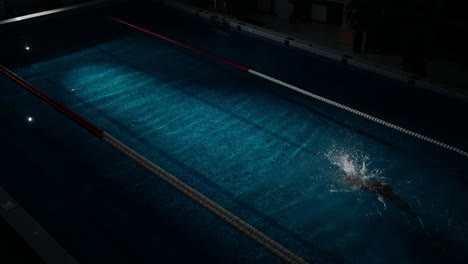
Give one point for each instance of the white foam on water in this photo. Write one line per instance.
(382, 200)
(377, 209)
(355, 171)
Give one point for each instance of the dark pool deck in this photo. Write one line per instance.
(13, 249)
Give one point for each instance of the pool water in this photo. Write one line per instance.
(277, 159)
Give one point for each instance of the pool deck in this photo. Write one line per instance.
(23, 240)
(443, 72)
(13, 249)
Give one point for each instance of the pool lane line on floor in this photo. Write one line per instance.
(302, 91)
(237, 223)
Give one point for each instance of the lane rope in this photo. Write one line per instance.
(361, 114)
(268, 243)
(237, 223)
(304, 92)
(180, 44)
(52, 102)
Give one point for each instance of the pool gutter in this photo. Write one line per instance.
(37, 238)
(313, 48)
(55, 13)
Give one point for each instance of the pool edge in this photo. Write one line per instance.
(35, 236)
(418, 81)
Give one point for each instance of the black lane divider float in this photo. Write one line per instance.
(268, 243)
(302, 91)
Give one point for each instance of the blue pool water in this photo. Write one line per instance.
(276, 159)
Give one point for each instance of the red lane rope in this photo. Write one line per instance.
(304, 92)
(179, 43)
(277, 249)
(52, 102)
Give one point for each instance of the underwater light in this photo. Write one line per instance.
(30, 119)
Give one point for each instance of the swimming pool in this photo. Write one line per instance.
(275, 158)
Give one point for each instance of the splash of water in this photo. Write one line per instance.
(353, 167)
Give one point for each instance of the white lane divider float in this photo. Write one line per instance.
(302, 91)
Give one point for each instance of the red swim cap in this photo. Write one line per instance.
(378, 184)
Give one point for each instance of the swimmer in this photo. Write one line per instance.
(384, 190)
